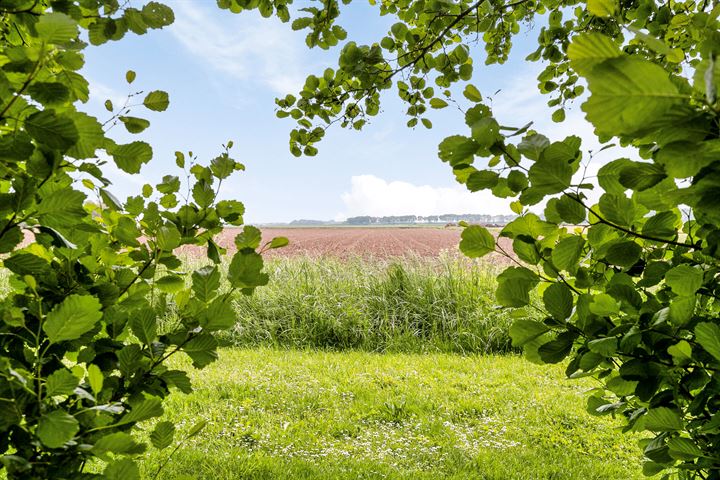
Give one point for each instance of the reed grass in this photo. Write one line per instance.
(410, 304)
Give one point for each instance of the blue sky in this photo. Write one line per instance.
(223, 72)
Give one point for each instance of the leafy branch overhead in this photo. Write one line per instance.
(617, 276)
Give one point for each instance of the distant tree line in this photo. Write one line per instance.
(446, 218)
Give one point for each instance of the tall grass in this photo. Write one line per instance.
(403, 305)
(408, 304)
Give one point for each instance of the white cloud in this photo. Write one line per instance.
(259, 50)
(99, 92)
(370, 195)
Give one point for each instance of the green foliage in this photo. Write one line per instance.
(631, 295)
(82, 355)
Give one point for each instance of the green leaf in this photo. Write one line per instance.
(180, 159)
(526, 248)
(604, 346)
(685, 159)
(163, 434)
(144, 325)
(157, 15)
(91, 136)
(567, 252)
(202, 349)
(624, 253)
(203, 193)
(101, 30)
(641, 176)
(663, 419)
(213, 251)
(558, 300)
(524, 331)
(245, 270)
(123, 469)
(249, 238)
(556, 350)
(604, 305)
(129, 359)
(602, 8)
(95, 378)
(617, 209)
(197, 428)
(629, 96)
(438, 103)
(684, 280)
(168, 238)
(144, 410)
(169, 184)
(219, 315)
(708, 336)
(532, 146)
(476, 241)
(530, 225)
(56, 28)
(662, 225)
(550, 175)
(681, 448)
(230, 211)
(57, 428)
(134, 124)
(56, 131)
(514, 285)
(681, 351)
(130, 76)
(486, 132)
(132, 156)
(177, 379)
(590, 49)
(472, 93)
(609, 176)
(223, 166)
(205, 282)
(26, 264)
(517, 181)
(49, 93)
(76, 315)
(61, 382)
(682, 309)
(457, 150)
(78, 85)
(157, 101)
(621, 387)
(570, 211)
(170, 283)
(279, 242)
(118, 443)
(481, 180)
(62, 208)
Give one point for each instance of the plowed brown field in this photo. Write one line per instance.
(379, 242)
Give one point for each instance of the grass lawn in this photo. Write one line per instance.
(276, 414)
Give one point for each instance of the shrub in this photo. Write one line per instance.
(81, 358)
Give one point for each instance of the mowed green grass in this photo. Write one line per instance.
(287, 414)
